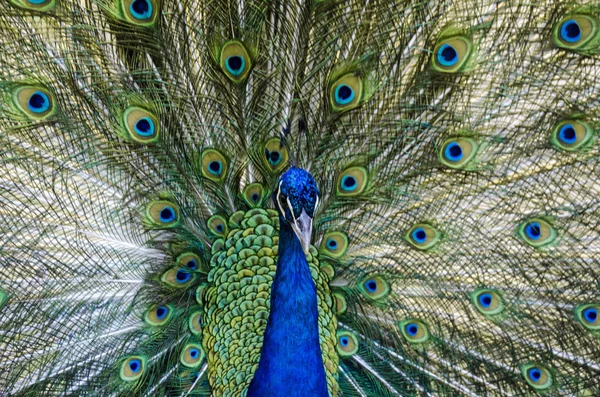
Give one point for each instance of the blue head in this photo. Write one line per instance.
(296, 198)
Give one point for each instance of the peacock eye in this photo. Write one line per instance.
(571, 135)
(347, 343)
(589, 316)
(537, 376)
(177, 277)
(352, 182)
(423, 236)
(132, 368)
(346, 92)
(158, 315)
(140, 12)
(414, 331)
(35, 5)
(457, 152)
(188, 260)
(487, 302)
(537, 232)
(141, 125)
(375, 287)
(334, 244)
(162, 214)
(451, 54)
(217, 225)
(253, 194)
(275, 154)
(36, 102)
(235, 61)
(341, 305)
(576, 32)
(214, 165)
(195, 323)
(192, 355)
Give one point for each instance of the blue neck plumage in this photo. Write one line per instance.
(290, 363)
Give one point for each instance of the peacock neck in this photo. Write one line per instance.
(290, 363)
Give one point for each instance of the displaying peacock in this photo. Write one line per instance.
(299, 198)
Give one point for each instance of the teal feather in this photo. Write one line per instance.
(455, 245)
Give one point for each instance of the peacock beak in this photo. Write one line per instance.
(303, 228)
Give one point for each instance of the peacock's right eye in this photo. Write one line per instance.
(571, 135)
(423, 236)
(575, 32)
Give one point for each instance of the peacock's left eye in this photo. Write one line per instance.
(375, 287)
(214, 165)
(451, 54)
(346, 92)
(235, 61)
(192, 355)
(35, 102)
(457, 152)
(347, 343)
(537, 376)
(488, 302)
(133, 368)
(423, 236)
(571, 135)
(141, 125)
(140, 12)
(575, 32)
(537, 232)
(589, 316)
(414, 331)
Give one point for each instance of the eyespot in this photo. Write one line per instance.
(195, 323)
(162, 214)
(575, 32)
(178, 277)
(140, 125)
(571, 135)
(214, 165)
(423, 236)
(537, 232)
(276, 155)
(346, 92)
(352, 182)
(589, 316)
(192, 355)
(457, 152)
(341, 305)
(235, 62)
(217, 225)
(347, 343)
(35, 5)
(451, 54)
(334, 244)
(140, 12)
(36, 102)
(537, 376)
(133, 368)
(487, 301)
(329, 270)
(158, 315)
(375, 287)
(414, 331)
(254, 194)
(188, 260)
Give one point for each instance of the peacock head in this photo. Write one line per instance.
(296, 198)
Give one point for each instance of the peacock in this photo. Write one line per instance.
(300, 198)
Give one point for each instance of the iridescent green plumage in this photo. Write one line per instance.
(454, 143)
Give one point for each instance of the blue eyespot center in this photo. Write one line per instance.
(447, 55)
(344, 94)
(371, 285)
(412, 329)
(419, 235)
(254, 197)
(535, 374)
(141, 9)
(567, 134)
(220, 228)
(37, 2)
(182, 276)
(235, 65)
(533, 230)
(485, 300)
(273, 157)
(349, 183)
(161, 312)
(332, 244)
(215, 167)
(570, 31)
(191, 264)
(167, 214)
(144, 127)
(194, 353)
(344, 341)
(38, 102)
(590, 315)
(453, 152)
(135, 365)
